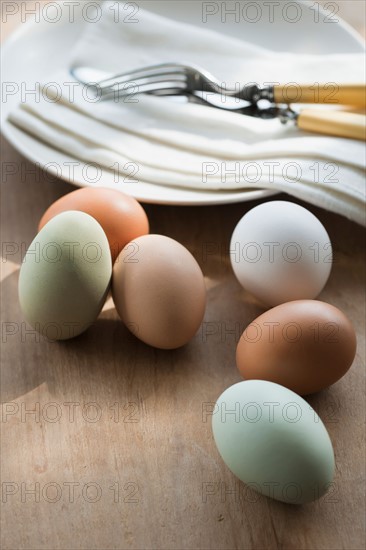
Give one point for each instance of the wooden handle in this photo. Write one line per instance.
(334, 123)
(352, 94)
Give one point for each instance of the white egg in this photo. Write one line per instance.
(281, 252)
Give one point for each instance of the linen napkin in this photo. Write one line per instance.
(193, 146)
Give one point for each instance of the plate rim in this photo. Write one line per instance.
(230, 197)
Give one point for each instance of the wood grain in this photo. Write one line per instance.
(126, 423)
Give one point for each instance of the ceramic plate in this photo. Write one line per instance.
(39, 47)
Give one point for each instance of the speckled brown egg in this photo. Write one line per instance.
(159, 291)
(304, 345)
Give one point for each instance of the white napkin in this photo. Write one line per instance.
(193, 146)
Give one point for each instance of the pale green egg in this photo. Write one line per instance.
(65, 276)
(272, 440)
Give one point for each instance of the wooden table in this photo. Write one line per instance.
(118, 452)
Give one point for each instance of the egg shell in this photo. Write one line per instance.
(65, 276)
(280, 252)
(305, 345)
(271, 439)
(121, 216)
(159, 291)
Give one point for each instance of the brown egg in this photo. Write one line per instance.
(305, 345)
(159, 291)
(121, 216)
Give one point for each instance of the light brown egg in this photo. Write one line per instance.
(304, 345)
(159, 291)
(120, 215)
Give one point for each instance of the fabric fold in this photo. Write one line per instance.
(184, 145)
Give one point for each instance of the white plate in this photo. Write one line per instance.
(38, 47)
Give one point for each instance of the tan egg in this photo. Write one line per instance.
(159, 291)
(304, 345)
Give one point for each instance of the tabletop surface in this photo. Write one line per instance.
(105, 440)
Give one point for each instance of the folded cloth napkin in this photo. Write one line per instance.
(193, 146)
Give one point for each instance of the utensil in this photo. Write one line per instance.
(177, 78)
(330, 122)
(200, 86)
(25, 65)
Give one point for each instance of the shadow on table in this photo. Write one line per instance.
(108, 362)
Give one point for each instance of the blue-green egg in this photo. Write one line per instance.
(65, 276)
(273, 441)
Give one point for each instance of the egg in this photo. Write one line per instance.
(305, 345)
(272, 440)
(159, 291)
(121, 216)
(65, 276)
(280, 251)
